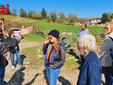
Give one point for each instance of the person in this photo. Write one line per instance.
(104, 53)
(54, 52)
(84, 30)
(8, 46)
(90, 72)
(14, 51)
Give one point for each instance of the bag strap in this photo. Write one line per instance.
(112, 40)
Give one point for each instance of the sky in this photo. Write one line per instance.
(82, 8)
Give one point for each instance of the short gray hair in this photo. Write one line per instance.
(89, 41)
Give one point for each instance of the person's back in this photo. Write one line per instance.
(91, 68)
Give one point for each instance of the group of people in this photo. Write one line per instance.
(92, 64)
(9, 48)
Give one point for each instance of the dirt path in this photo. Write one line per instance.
(30, 76)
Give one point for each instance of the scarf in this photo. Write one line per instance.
(50, 55)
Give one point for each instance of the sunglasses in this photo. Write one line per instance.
(106, 27)
(50, 38)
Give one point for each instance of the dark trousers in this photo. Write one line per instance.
(107, 74)
(2, 72)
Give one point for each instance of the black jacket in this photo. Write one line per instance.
(12, 49)
(59, 58)
(8, 46)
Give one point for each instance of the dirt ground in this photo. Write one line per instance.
(29, 76)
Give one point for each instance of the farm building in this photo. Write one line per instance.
(94, 20)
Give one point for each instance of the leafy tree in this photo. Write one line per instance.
(71, 18)
(34, 15)
(53, 16)
(62, 18)
(111, 16)
(23, 13)
(105, 18)
(44, 13)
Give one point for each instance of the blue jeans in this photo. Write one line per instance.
(17, 56)
(107, 75)
(2, 72)
(52, 75)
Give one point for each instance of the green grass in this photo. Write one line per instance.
(31, 54)
(34, 37)
(46, 27)
(72, 64)
(8, 17)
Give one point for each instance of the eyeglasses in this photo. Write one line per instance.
(106, 27)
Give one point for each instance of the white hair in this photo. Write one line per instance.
(88, 41)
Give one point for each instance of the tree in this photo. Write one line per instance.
(33, 15)
(53, 16)
(39, 16)
(44, 13)
(111, 16)
(105, 18)
(23, 13)
(14, 11)
(62, 18)
(71, 18)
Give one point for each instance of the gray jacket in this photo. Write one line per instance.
(59, 58)
(104, 53)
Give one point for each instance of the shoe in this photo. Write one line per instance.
(13, 67)
(21, 66)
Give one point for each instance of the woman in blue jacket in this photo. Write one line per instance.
(90, 72)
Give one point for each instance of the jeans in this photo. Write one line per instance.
(17, 56)
(52, 75)
(2, 72)
(107, 75)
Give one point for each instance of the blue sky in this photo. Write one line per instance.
(83, 8)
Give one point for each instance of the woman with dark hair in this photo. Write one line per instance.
(14, 50)
(54, 52)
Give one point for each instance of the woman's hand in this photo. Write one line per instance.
(46, 40)
(8, 55)
(26, 30)
(51, 66)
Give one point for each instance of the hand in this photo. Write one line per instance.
(26, 31)
(51, 66)
(46, 41)
(8, 55)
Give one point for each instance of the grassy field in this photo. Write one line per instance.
(46, 27)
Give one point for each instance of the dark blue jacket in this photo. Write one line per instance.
(90, 72)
